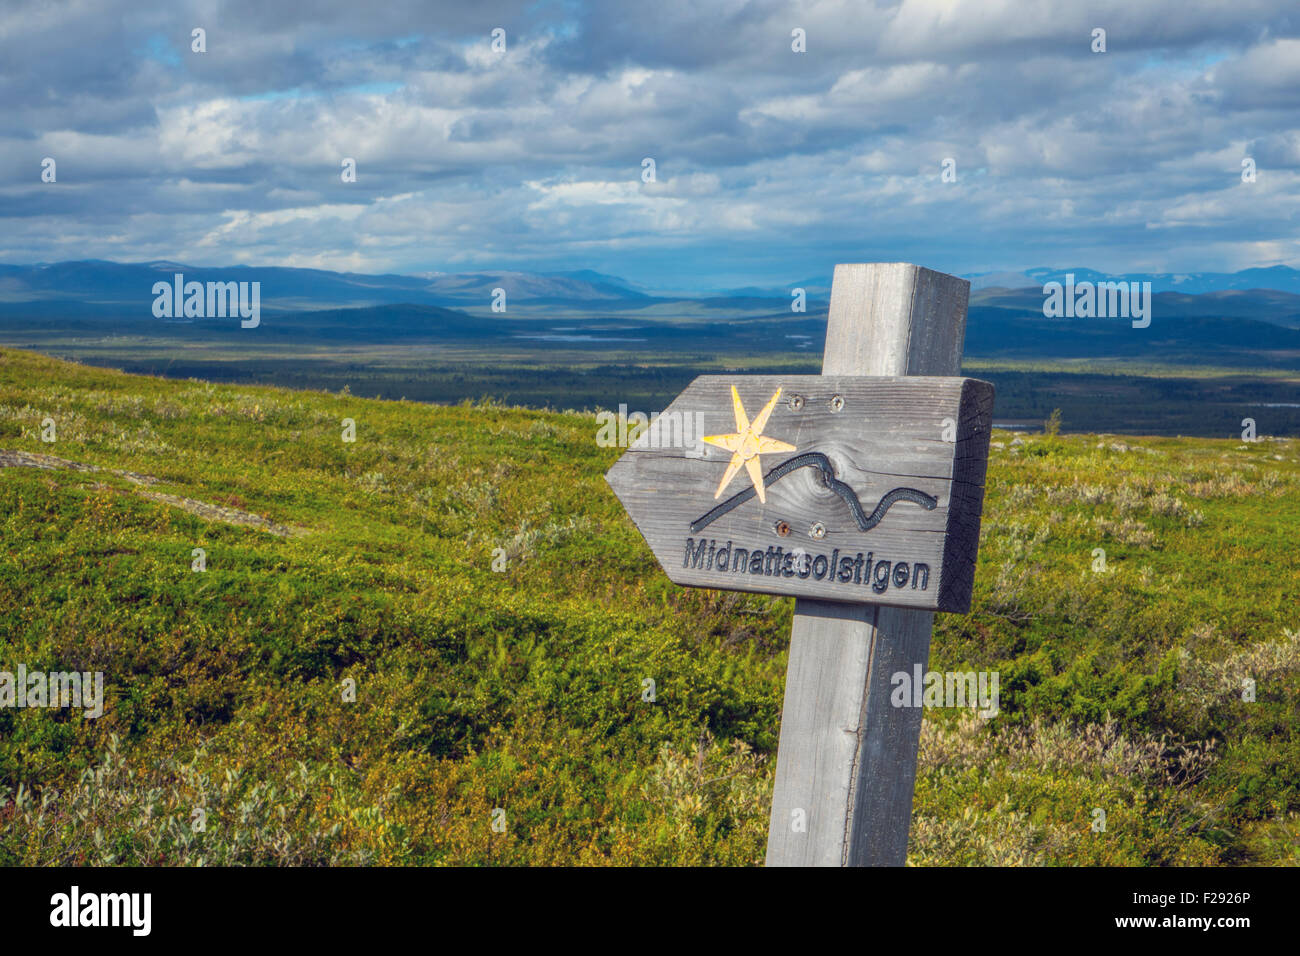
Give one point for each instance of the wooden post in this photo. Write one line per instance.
(846, 766)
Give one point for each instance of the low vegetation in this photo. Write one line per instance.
(351, 681)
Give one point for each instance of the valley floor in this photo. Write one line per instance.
(1097, 395)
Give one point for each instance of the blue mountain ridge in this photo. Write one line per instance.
(102, 281)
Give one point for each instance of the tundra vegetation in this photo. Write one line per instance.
(230, 734)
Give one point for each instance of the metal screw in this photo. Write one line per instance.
(837, 403)
(796, 402)
(782, 528)
(818, 530)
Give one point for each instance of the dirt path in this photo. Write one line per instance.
(205, 510)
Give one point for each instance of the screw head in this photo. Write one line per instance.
(796, 402)
(837, 403)
(818, 530)
(782, 528)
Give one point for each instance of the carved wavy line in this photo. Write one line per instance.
(815, 459)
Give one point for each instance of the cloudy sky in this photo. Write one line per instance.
(771, 165)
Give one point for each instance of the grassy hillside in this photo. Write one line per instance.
(522, 689)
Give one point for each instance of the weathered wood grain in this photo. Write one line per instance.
(894, 318)
(846, 766)
(879, 434)
(847, 758)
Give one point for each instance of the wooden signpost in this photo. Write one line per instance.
(842, 488)
(859, 493)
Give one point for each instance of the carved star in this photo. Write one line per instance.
(747, 443)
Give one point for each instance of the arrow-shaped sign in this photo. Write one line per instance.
(842, 488)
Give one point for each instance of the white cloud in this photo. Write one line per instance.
(533, 158)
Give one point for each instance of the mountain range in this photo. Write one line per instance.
(102, 282)
(92, 304)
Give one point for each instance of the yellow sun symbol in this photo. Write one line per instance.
(747, 444)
